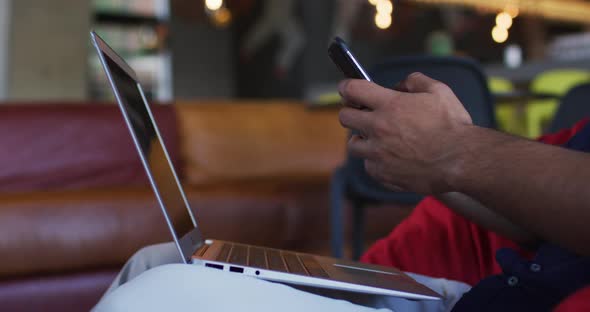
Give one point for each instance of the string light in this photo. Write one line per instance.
(499, 34)
(504, 20)
(222, 17)
(219, 14)
(512, 9)
(384, 7)
(383, 17)
(383, 21)
(213, 5)
(555, 10)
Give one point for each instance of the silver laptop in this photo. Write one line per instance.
(264, 263)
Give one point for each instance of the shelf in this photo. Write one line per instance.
(133, 40)
(127, 19)
(138, 31)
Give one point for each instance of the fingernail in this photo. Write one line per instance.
(342, 86)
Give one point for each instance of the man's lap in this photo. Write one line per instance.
(165, 285)
(143, 260)
(178, 287)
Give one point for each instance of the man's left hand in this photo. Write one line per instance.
(408, 136)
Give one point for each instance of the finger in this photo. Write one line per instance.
(364, 93)
(418, 83)
(355, 119)
(346, 103)
(401, 87)
(359, 147)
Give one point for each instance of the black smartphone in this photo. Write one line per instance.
(345, 60)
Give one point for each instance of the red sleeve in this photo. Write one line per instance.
(435, 241)
(579, 301)
(563, 136)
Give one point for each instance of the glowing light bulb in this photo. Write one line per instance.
(383, 21)
(222, 17)
(504, 20)
(499, 34)
(512, 9)
(384, 7)
(373, 2)
(213, 5)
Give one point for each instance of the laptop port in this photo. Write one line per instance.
(214, 266)
(236, 269)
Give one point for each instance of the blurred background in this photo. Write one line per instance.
(245, 97)
(274, 49)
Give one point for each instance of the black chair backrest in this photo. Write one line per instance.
(574, 106)
(466, 79)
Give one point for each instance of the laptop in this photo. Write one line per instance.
(274, 265)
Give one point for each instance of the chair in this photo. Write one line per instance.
(351, 181)
(574, 106)
(498, 84)
(555, 82)
(510, 117)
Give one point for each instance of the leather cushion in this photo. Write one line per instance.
(228, 141)
(67, 292)
(262, 212)
(75, 230)
(59, 146)
(68, 231)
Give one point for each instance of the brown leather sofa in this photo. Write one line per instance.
(75, 202)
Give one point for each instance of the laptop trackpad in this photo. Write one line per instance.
(375, 276)
(363, 269)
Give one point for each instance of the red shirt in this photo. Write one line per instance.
(435, 241)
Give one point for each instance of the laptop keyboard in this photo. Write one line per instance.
(293, 264)
(275, 261)
(224, 253)
(239, 255)
(271, 259)
(257, 258)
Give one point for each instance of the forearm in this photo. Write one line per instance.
(486, 218)
(542, 188)
(419, 137)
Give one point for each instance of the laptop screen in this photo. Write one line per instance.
(152, 149)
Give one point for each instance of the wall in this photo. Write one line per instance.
(5, 8)
(318, 17)
(48, 50)
(202, 60)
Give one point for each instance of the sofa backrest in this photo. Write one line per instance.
(237, 141)
(47, 147)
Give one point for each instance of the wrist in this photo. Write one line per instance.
(470, 143)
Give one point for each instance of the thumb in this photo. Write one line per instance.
(417, 83)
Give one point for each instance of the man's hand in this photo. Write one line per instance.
(407, 136)
(419, 137)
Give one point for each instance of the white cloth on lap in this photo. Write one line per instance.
(160, 283)
(180, 287)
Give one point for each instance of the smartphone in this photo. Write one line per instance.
(345, 60)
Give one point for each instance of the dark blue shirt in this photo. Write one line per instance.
(539, 284)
